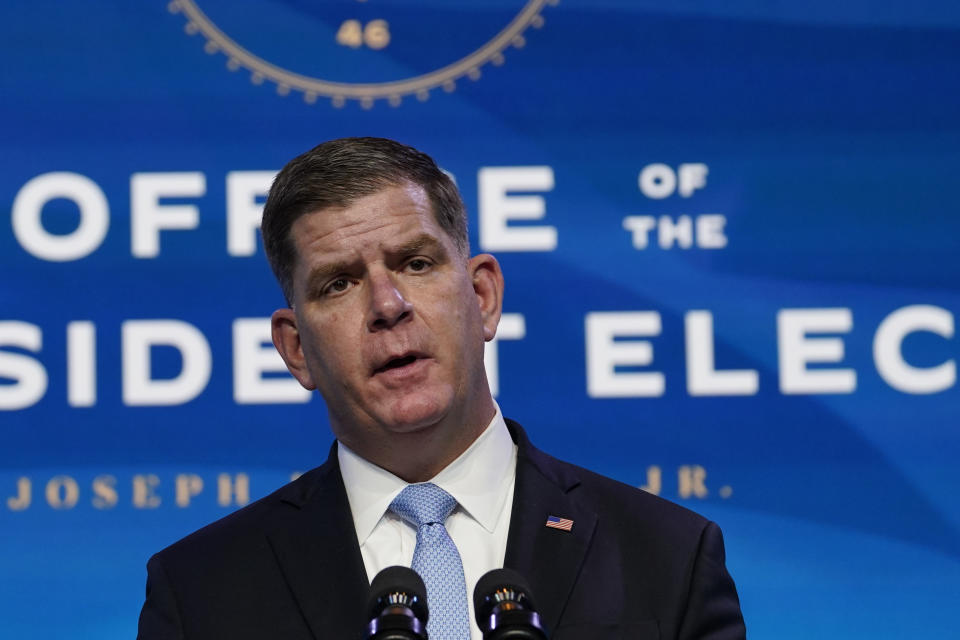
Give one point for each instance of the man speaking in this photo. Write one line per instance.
(387, 319)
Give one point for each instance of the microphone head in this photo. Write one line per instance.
(504, 607)
(398, 587)
(499, 589)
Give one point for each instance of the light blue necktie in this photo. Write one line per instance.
(426, 506)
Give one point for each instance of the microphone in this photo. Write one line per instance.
(397, 606)
(504, 607)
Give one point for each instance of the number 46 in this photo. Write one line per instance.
(375, 35)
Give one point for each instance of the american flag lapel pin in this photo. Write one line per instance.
(564, 524)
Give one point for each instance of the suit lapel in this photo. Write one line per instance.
(315, 544)
(549, 558)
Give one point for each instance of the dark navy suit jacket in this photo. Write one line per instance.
(289, 566)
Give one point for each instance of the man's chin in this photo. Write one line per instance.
(416, 419)
(414, 410)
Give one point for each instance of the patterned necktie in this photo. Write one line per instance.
(426, 506)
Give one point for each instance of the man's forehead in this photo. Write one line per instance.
(333, 232)
(342, 236)
(405, 204)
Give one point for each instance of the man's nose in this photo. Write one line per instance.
(388, 306)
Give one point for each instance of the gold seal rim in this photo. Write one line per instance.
(366, 93)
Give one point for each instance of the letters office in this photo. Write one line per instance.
(387, 319)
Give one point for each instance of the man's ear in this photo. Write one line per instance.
(488, 285)
(286, 338)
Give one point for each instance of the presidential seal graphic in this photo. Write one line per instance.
(361, 50)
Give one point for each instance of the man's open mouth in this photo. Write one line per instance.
(396, 363)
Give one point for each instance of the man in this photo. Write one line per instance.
(387, 319)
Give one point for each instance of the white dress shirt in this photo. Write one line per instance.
(481, 480)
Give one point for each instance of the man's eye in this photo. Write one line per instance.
(337, 286)
(418, 264)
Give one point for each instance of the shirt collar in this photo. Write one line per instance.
(479, 479)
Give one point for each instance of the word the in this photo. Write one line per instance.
(658, 181)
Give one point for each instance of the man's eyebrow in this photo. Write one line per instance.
(323, 272)
(319, 274)
(419, 243)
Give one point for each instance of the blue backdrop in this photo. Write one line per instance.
(729, 233)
